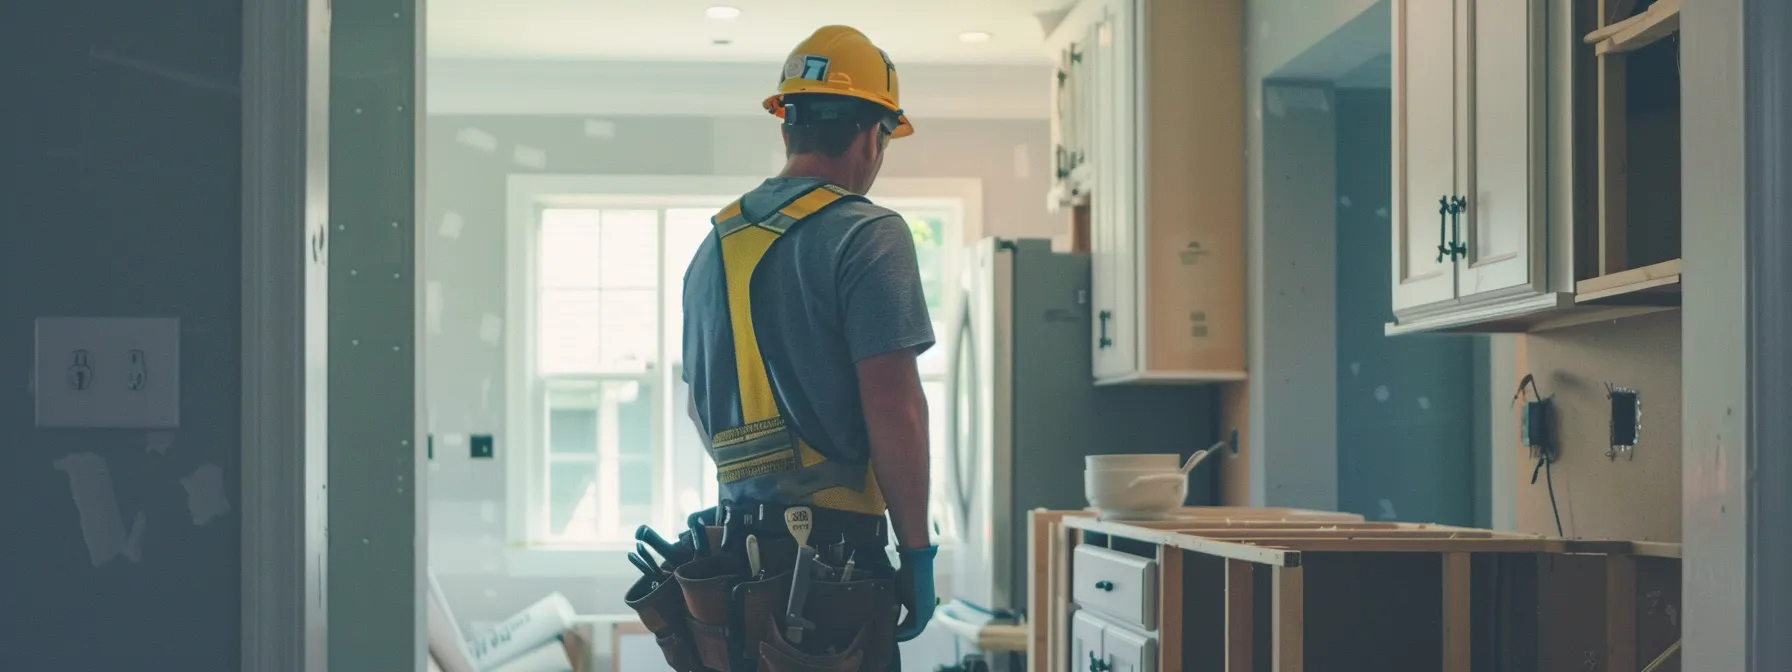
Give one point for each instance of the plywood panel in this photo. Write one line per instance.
(1636, 498)
(1235, 468)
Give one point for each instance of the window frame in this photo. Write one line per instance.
(526, 456)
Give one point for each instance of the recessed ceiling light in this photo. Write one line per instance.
(973, 36)
(722, 12)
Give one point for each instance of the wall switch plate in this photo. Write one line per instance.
(482, 446)
(108, 372)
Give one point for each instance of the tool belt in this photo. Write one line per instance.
(802, 612)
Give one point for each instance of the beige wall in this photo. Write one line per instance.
(1636, 497)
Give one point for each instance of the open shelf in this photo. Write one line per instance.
(1652, 285)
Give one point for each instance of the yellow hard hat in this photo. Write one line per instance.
(840, 60)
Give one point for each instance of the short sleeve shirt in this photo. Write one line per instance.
(842, 286)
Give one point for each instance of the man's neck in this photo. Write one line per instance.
(814, 167)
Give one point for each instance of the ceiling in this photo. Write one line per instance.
(911, 31)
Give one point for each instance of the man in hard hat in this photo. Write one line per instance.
(804, 315)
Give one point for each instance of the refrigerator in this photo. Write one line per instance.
(1024, 411)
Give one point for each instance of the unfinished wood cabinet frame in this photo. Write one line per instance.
(1613, 38)
(1276, 540)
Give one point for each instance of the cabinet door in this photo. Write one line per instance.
(1507, 217)
(1424, 98)
(1128, 651)
(1085, 643)
(1114, 260)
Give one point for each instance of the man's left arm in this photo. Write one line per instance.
(887, 327)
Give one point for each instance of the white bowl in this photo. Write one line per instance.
(1155, 461)
(1135, 494)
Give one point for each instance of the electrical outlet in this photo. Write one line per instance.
(482, 446)
(108, 372)
(1536, 430)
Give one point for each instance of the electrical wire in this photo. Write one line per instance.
(1550, 484)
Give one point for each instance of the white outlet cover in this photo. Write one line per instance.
(108, 372)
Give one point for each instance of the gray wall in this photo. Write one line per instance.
(466, 495)
(1406, 406)
(120, 197)
(377, 515)
(1289, 220)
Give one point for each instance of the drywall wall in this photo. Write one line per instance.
(120, 197)
(1406, 405)
(1714, 480)
(377, 516)
(1291, 44)
(463, 234)
(1634, 496)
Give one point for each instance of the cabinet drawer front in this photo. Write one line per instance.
(1116, 584)
(1085, 642)
(1128, 651)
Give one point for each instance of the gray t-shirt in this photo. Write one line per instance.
(842, 286)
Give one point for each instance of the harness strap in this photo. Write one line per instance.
(764, 446)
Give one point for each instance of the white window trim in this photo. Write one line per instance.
(526, 196)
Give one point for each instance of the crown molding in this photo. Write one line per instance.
(617, 88)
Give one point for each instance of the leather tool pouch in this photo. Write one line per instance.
(662, 610)
(707, 584)
(855, 625)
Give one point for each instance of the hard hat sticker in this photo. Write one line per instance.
(815, 68)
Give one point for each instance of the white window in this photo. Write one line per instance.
(601, 442)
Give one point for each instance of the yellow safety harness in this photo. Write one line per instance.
(763, 459)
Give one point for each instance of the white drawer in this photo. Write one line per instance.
(1097, 645)
(1116, 584)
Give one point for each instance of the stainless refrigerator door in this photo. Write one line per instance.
(978, 426)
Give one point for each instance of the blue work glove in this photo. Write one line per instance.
(914, 590)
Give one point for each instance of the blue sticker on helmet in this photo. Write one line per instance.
(815, 68)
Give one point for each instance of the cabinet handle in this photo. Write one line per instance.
(1443, 225)
(1457, 248)
(1097, 664)
(1105, 342)
(1105, 585)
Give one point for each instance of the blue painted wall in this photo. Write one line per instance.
(120, 137)
(1406, 406)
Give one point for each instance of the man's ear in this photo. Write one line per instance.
(872, 143)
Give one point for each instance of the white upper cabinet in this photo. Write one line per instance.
(1472, 230)
(1424, 137)
(1149, 123)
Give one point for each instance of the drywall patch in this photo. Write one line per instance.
(158, 442)
(490, 328)
(1344, 201)
(529, 157)
(477, 139)
(205, 494)
(1381, 212)
(600, 129)
(1023, 162)
(432, 306)
(452, 223)
(1424, 403)
(102, 523)
(1382, 393)
(1387, 510)
(1356, 368)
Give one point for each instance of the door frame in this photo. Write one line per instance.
(285, 108)
(1767, 152)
